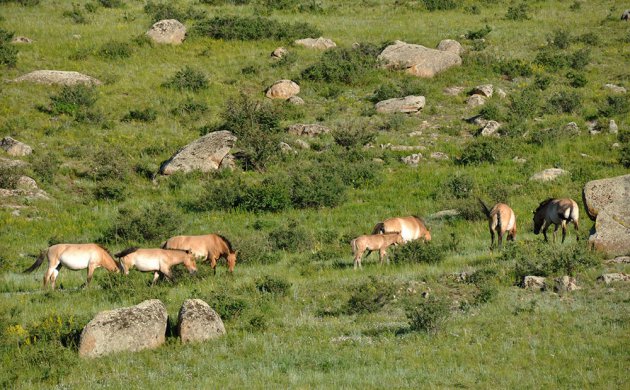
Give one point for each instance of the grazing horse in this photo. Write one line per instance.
(74, 257)
(373, 242)
(211, 247)
(558, 212)
(411, 228)
(158, 261)
(501, 219)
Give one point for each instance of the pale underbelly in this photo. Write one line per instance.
(148, 265)
(75, 262)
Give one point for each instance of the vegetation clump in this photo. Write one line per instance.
(418, 252)
(428, 315)
(343, 65)
(8, 52)
(245, 28)
(187, 79)
(370, 296)
(273, 285)
(150, 223)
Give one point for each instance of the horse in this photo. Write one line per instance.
(159, 261)
(501, 219)
(373, 242)
(558, 212)
(209, 246)
(411, 228)
(74, 257)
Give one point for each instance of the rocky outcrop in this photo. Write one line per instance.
(24, 187)
(320, 43)
(279, 52)
(198, 322)
(204, 154)
(308, 130)
(615, 88)
(127, 329)
(60, 77)
(565, 284)
(490, 129)
(548, 174)
(412, 160)
(14, 147)
(283, 89)
(618, 260)
(408, 104)
(167, 31)
(614, 277)
(484, 90)
(535, 283)
(418, 60)
(475, 101)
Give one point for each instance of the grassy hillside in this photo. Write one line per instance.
(292, 215)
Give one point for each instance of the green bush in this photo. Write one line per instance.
(541, 82)
(560, 39)
(370, 296)
(428, 315)
(577, 80)
(352, 136)
(273, 285)
(579, 59)
(478, 34)
(343, 65)
(112, 3)
(161, 11)
(187, 79)
(492, 111)
(439, 5)
(564, 102)
(458, 186)
(272, 194)
(113, 50)
(107, 164)
(150, 223)
(76, 14)
(513, 68)
(398, 89)
(45, 166)
(291, 238)
(140, 115)
(255, 248)
(252, 28)
(8, 52)
(418, 252)
(615, 105)
(9, 177)
(518, 12)
(193, 109)
(227, 306)
(589, 38)
(313, 188)
(523, 105)
(73, 100)
(480, 151)
(624, 151)
(110, 190)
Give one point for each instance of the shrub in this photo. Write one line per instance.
(273, 285)
(107, 164)
(353, 136)
(252, 28)
(518, 12)
(113, 50)
(615, 105)
(370, 296)
(110, 190)
(398, 89)
(480, 151)
(458, 186)
(491, 111)
(624, 151)
(161, 11)
(192, 109)
(144, 115)
(552, 59)
(45, 166)
(580, 59)
(71, 100)
(149, 223)
(564, 102)
(227, 306)
(541, 82)
(76, 14)
(255, 248)
(513, 68)
(112, 3)
(8, 52)
(478, 34)
(439, 5)
(418, 252)
(343, 65)
(291, 238)
(589, 38)
(560, 39)
(523, 105)
(428, 315)
(187, 79)
(9, 177)
(317, 188)
(272, 194)
(577, 80)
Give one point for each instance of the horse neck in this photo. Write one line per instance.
(108, 262)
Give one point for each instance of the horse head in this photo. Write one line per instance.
(190, 262)
(539, 215)
(231, 260)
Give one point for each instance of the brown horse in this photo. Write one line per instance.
(411, 228)
(373, 242)
(557, 212)
(74, 257)
(501, 219)
(211, 247)
(158, 261)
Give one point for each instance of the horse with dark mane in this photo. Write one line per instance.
(558, 212)
(501, 219)
(410, 228)
(211, 247)
(158, 261)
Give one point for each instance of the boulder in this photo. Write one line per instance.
(475, 101)
(279, 52)
(548, 174)
(615, 88)
(60, 77)
(418, 60)
(20, 39)
(439, 156)
(619, 260)
(565, 284)
(296, 101)
(26, 183)
(483, 90)
(8, 163)
(14, 147)
(320, 43)
(408, 104)
(572, 128)
(283, 89)
(127, 329)
(198, 322)
(412, 160)
(614, 277)
(285, 148)
(535, 283)
(600, 194)
(204, 154)
(611, 233)
(490, 129)
(519, 160)
(308, 130)
(168, 31)
(452, 46)
(612, 127)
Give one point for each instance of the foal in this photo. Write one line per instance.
(373, 242)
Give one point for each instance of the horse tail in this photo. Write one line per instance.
(353, 244)
(37, 263)
(484, 208)
(379, 228)
(163, 245)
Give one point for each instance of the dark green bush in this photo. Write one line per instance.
(579, 59)
(140, 115)
(227, 306)
(418, 252)
(273, 285)
(187, 79)
(589, 38)
(478, 34)
(252, 28)
(397, 89)
(492, 111)
(255, 248)
(541, 82)
(315, 188)
(370, 296)
(518, 12)
(523, 105)
(615, 105)
(291, 238)
(560, 39)
(150, 223)
(76, 14)
(72, 100)
(353, 136)
(8, 52)
(192, 109)
(272, 194)
(428, 315)
(161, 11)
(45, 166)
(480, 151)
(577, 80)
(624, 151)
(9, 177)
(112, 3)
(107, 164)
(552, 59)
(343, 65)
(513, 68)
(564, 102)
(224, 2)
(458, 186)
(439, 5)
(113, 50)
(111, 190)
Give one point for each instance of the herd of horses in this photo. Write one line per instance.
(211, 247)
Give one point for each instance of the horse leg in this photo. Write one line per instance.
(213, 264)
(357, 259)
(90, 273)
(53, 278)
(156, 276)
(564, 229)
(48, 275)
(575, 224)
(500, 239)
(544, 230)
(491, 239)
(381, 255)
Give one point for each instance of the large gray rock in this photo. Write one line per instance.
(320, 43)
(548, 174)
(8, 163)
(283, 89)
(169, 31)
(60, 77)
(418, 60)
(607, 202)
(198, 322)
(127, 329)
(452, 46)
(279, 52)
(475, 100)
(309, 130)
(408, 104)
(204, 154)
(15, 147)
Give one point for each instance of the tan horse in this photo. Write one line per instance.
(211, 247)
(74, 257)
(501, 219)
(373, 242)
(557, 212)
(411, 228)
(158, 261)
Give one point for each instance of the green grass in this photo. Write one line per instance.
(305, 338)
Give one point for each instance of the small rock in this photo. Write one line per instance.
(461, 277)
(403, 148)
(519, 160)
(308, 130)
(453, 91)
(408, 104)
(585, 155)
(279, 52)
(483, 90)
(378, 160)
(198, 322)
(14, 147)
(565, 284)
(285, 147)
(8, 163)
(283, 89)
(548, 174)
(296, 101)
(614, 277)
(26, 183)
(302, 144)
(475, 101)
(412, 160)
(76, 36)
(490, 129)
(439, 156)
(415, 133)
(320, 43)
(534, 283)
(501, 93)
(20, 39)
(452, 46)
(451, 213)
(168, 31)
(572, 128)
(615, 88)
(615, 145)
(612, 127)
(619, 260)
